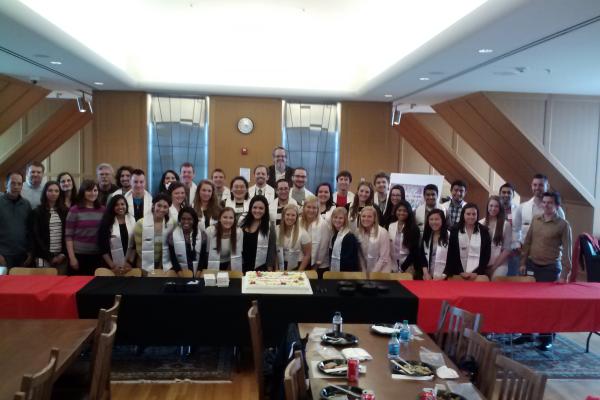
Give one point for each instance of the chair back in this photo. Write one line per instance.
(391, 276)
(134, 273)
(344, 275)
(105, 316)
(520, 279)
(38, 386)
(311, 274)
(103, 272)
(100, 385)
(452, 322)
(590, 259)
(185, 273)
(32, 271)
(483, 351)
(256, 336)
(517, 382)
(157, 273)
(294, 378)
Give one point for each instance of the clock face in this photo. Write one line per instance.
(245, 125)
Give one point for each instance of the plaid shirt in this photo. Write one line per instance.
(453, 214)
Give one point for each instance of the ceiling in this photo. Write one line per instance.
(305, 49)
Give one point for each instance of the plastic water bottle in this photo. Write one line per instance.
(393, 346)
(337, 324)
(405, 332)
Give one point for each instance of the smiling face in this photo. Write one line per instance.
(227, 219)
(186, 221)
(395, 196)
(435, 222)
(279, 159)
(470, 216)
(338, 220)
(125, 180)
(538, 187)
(430, 198)
(120, 207)
(260, 176)
(299, 178)
(160, 209)
(169, 178)
(290, 216)
(258, 210)
(178, 196)
(343, 183)
(381, 185)
(506, 195)
(239, 190)
(91, 195)
(218, 179)
(34, 175)
(206, 192)
(14, 185)
(66, 182)
(401, 213)
(283, 190)
(364, 193)
(323, 194)
(549, 205)
(52, 193)
(458, 193)
(138, 184)
(187, 175)
(367, 218)
(493, 208)
(311, 210)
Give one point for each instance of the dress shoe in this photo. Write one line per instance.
(544, 346)
(524, 338)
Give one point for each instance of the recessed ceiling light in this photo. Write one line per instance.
(99, 83)
(423, 78)
(55, 62)
(485, 51)
(388, 95)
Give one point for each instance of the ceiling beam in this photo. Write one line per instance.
(49, 136)
(16, 99)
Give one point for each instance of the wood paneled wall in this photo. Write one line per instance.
(120, 128)
(16, 99)
(368, 143)
(226, 142)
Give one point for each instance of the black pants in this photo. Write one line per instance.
(87, 264)
(545, 273)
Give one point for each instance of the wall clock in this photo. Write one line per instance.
(245, 125)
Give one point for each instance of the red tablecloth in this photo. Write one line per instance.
(37, 297)
(513, 307)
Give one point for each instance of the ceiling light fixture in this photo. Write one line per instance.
(55, 62)
(98, 83)
(388, 95)
(485, 51)
(81, 102)
(423, 78)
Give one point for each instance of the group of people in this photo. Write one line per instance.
(276, 223)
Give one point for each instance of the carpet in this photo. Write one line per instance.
(166, 364)
(567, 359)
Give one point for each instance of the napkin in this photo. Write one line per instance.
(356, 352)
(444, 372)
(384, 330)
(429, 357)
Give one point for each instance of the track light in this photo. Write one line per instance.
(89, 103)
(82, 101)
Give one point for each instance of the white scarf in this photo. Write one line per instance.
(399, 251)
(370, 247)
(147, 202)
(438, 265)
(336, 250)
(214, 258)
(117, 252)
(148, 243)
(290, 253)
(180, 248)
(470, 250)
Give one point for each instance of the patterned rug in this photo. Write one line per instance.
(167, 364)
(566, 360)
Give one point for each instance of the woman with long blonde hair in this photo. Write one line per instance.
(318, 229)
(374, 241)
(364, 197)
(293, 242)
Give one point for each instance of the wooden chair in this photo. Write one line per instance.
(38, 386)
(311, 274)
(344, 275)
(478, 278)
(391, 276)
(105, 316)
(517, 381)
(32, 271)
(294, 378)
(482, 278)
(100, 386)
(256, 336)
(483, 351)
(134, 272)
(513, 279)
(451, 325)
(157, 273)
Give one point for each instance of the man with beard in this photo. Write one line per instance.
(279, 169)
(260, 187)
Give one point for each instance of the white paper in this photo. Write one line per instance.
(245, 172)
(412, 378)
(444, 372)
(356, 352)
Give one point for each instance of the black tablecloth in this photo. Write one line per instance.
(215, 315)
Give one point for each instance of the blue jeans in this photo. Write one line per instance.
(544, 273)
(513, 264)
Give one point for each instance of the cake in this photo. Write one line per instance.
(277, 282)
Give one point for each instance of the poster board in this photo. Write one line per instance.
(413, 186)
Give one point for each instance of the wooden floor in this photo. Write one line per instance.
(243, 385)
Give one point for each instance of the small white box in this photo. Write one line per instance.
(222, 279)
(210, 280)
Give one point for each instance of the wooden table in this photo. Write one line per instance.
(378, 377)
(25, 347)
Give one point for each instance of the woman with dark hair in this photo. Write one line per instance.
(168, 177)
(364, 197)
(47, 223)
(115, 234)
(239, 200)
(68, 189)
(151, 234)
(259, 251)
(207, 204)
(500, 231)
(404, 240)
(224, 241)
(433, 252)
(469, 246)
(396, 194)
(177, 192)
(185, 242)
(81, 232)
(326, 203)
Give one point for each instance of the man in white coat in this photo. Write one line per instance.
(453, 207)
(430, 195)
(138, 198)
(343, 195)
(187, 174)
(299, 192)
(260, 187)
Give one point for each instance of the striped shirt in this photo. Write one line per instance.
(55, 229)
(82, 229)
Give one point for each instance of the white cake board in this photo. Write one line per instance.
(307, 289)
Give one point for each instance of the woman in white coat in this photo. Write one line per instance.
(185, 242)
(260, 249)
(404, 240)
(115, 234)
(177, 192)
(206, 204)
(374, 241)
(224, 242)
(434, 247)
(318, 230)
(501, 235)
(293, 242)
(239, 200)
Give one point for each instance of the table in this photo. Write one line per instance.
(37, 296)
(378, 377)
(513, 307)
(25, 347)
(213, 315)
